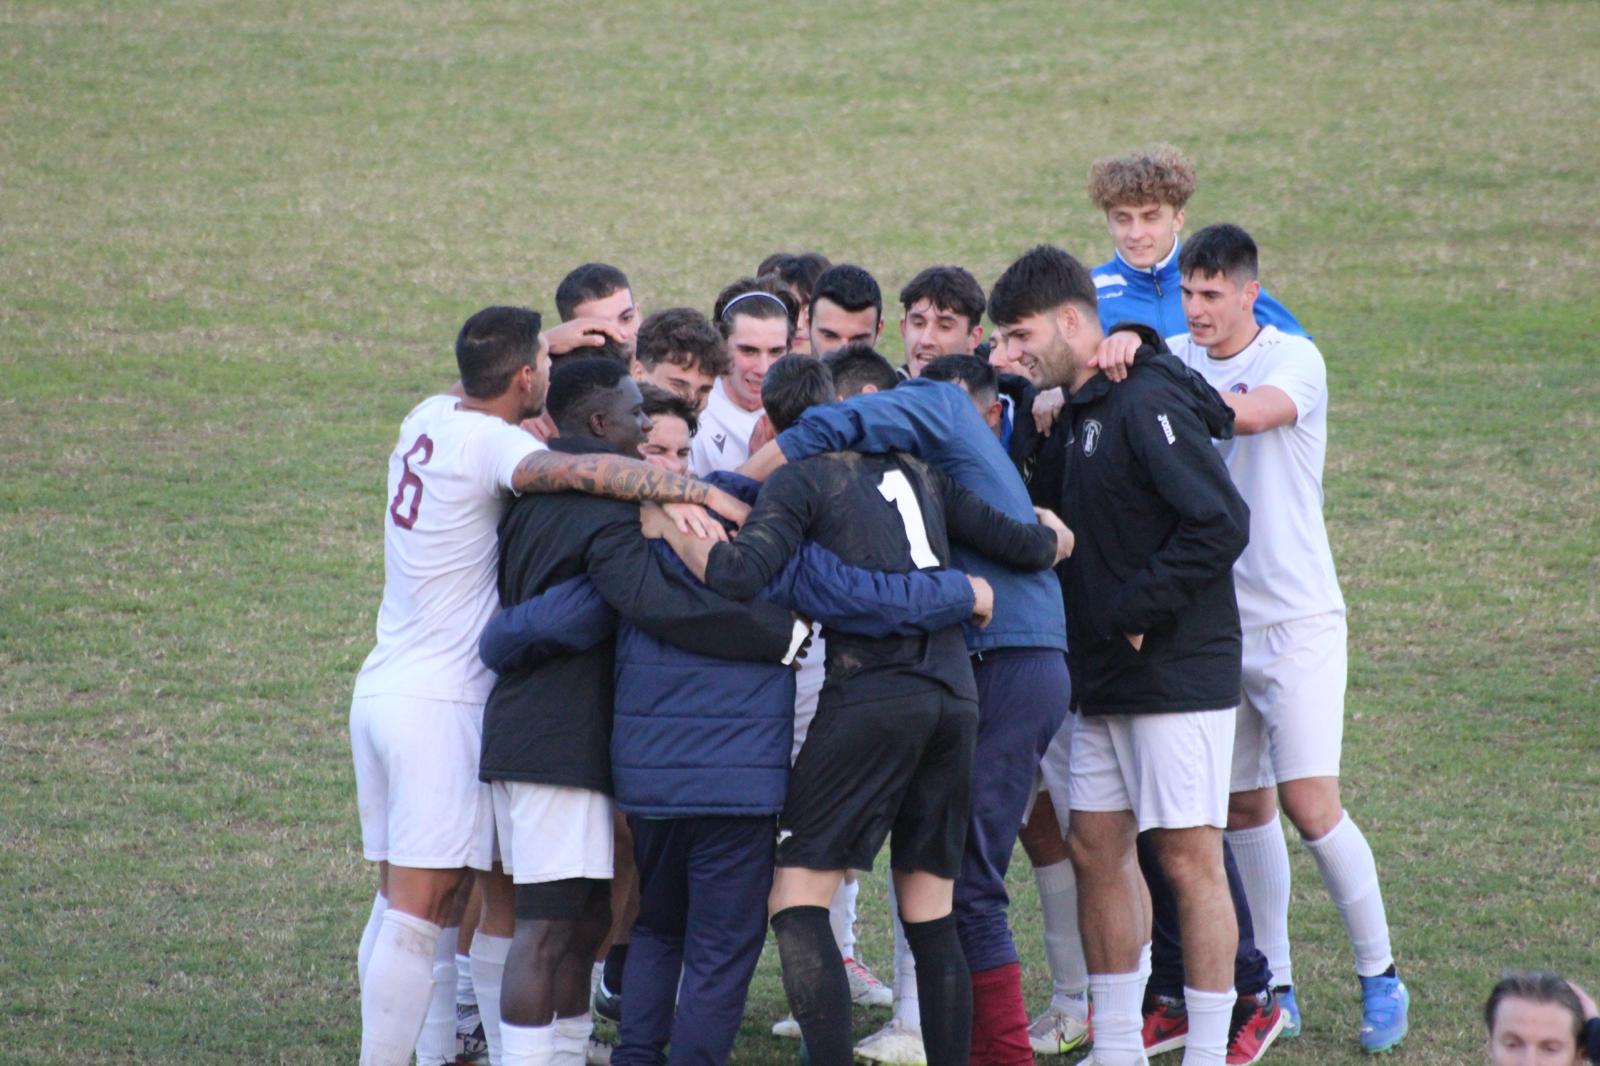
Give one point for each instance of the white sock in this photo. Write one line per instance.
(436, 1044)
(1118, 1018)
(395, 995)
(465, 996)
(1344, 859)
(907, 1006)
(572, 1040)
(1263, 858)
(369, 935)
(1063, 947)
(526, 1045)
(842, 916)
(488, 970)
(1209, 1016)
(1144, 968)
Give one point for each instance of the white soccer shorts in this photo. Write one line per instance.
(1170, 770)
(417, 787)
(1291, 719)
(1055, 770)
(553, 832)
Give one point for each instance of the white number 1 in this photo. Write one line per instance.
(897, 490)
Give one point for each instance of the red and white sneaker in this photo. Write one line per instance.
(1166, 1025)
(865, 988)
(1257, 1022)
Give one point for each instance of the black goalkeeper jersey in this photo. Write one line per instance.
(880, 512)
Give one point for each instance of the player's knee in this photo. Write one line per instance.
(1191, 858)
(1313, 805)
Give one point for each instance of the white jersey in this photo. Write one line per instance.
(723, 440)
(449, 478)
(1287, 571)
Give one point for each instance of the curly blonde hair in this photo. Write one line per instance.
(1159, 174)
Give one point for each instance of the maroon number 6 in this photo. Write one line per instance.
(410, 480)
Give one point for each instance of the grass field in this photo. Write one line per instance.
(237, 239)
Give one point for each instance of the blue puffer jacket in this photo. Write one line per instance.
(936, 422)
(696, 735)
(1153, 296)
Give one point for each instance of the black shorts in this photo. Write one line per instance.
(901, 765)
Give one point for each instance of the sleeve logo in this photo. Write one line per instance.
(1166, 428)
(1091, 437)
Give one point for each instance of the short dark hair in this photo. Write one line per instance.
(781, 302)
(799, 271)
(574, 387)
(609, 348)
(792, 385)
(658, 401)
(1535, 986)
(949, 288)
(855, 366)
(848, 286)
(683, 337)
(1044, 278)
(492, 346)
(591, 281)
(976, 374)
(1223, 249)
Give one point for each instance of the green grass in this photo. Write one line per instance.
(235, 243)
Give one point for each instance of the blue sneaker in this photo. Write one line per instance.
(1384, 1004)
(1291, 1011)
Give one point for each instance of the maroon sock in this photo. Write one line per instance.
(999, 1018)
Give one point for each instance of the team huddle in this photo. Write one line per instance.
(685, 617)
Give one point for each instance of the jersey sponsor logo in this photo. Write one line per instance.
(1239, 387)
(1166, 429)
(1091, 437)
(719, 439)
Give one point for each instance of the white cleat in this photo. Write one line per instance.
(896, 1042)
(597, 1053)
(1055, 1032)
(865, 989)
(787, 1028)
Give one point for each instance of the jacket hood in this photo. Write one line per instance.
(1154, 355)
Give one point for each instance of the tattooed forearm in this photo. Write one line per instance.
(606, 475)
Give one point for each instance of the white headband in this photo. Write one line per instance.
(746, 295)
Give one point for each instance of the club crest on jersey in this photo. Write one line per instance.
(1239, 387)
(1091, 436)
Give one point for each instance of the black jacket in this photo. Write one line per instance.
(1159, 525)
(552, 723)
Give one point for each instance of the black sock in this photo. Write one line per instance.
(616, 959)
(944, 987)
(814, 981)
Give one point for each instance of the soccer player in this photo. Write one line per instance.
(1023, 688)
(600, 290)
(672, 427)
(757, 319)
(799, 274)
(1291, 720)
(892, 741)
(846, 308)
(1153, 646)
(681, 352)
(942, 315)
(416, 713)
(1143, 196)
(546, 729)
